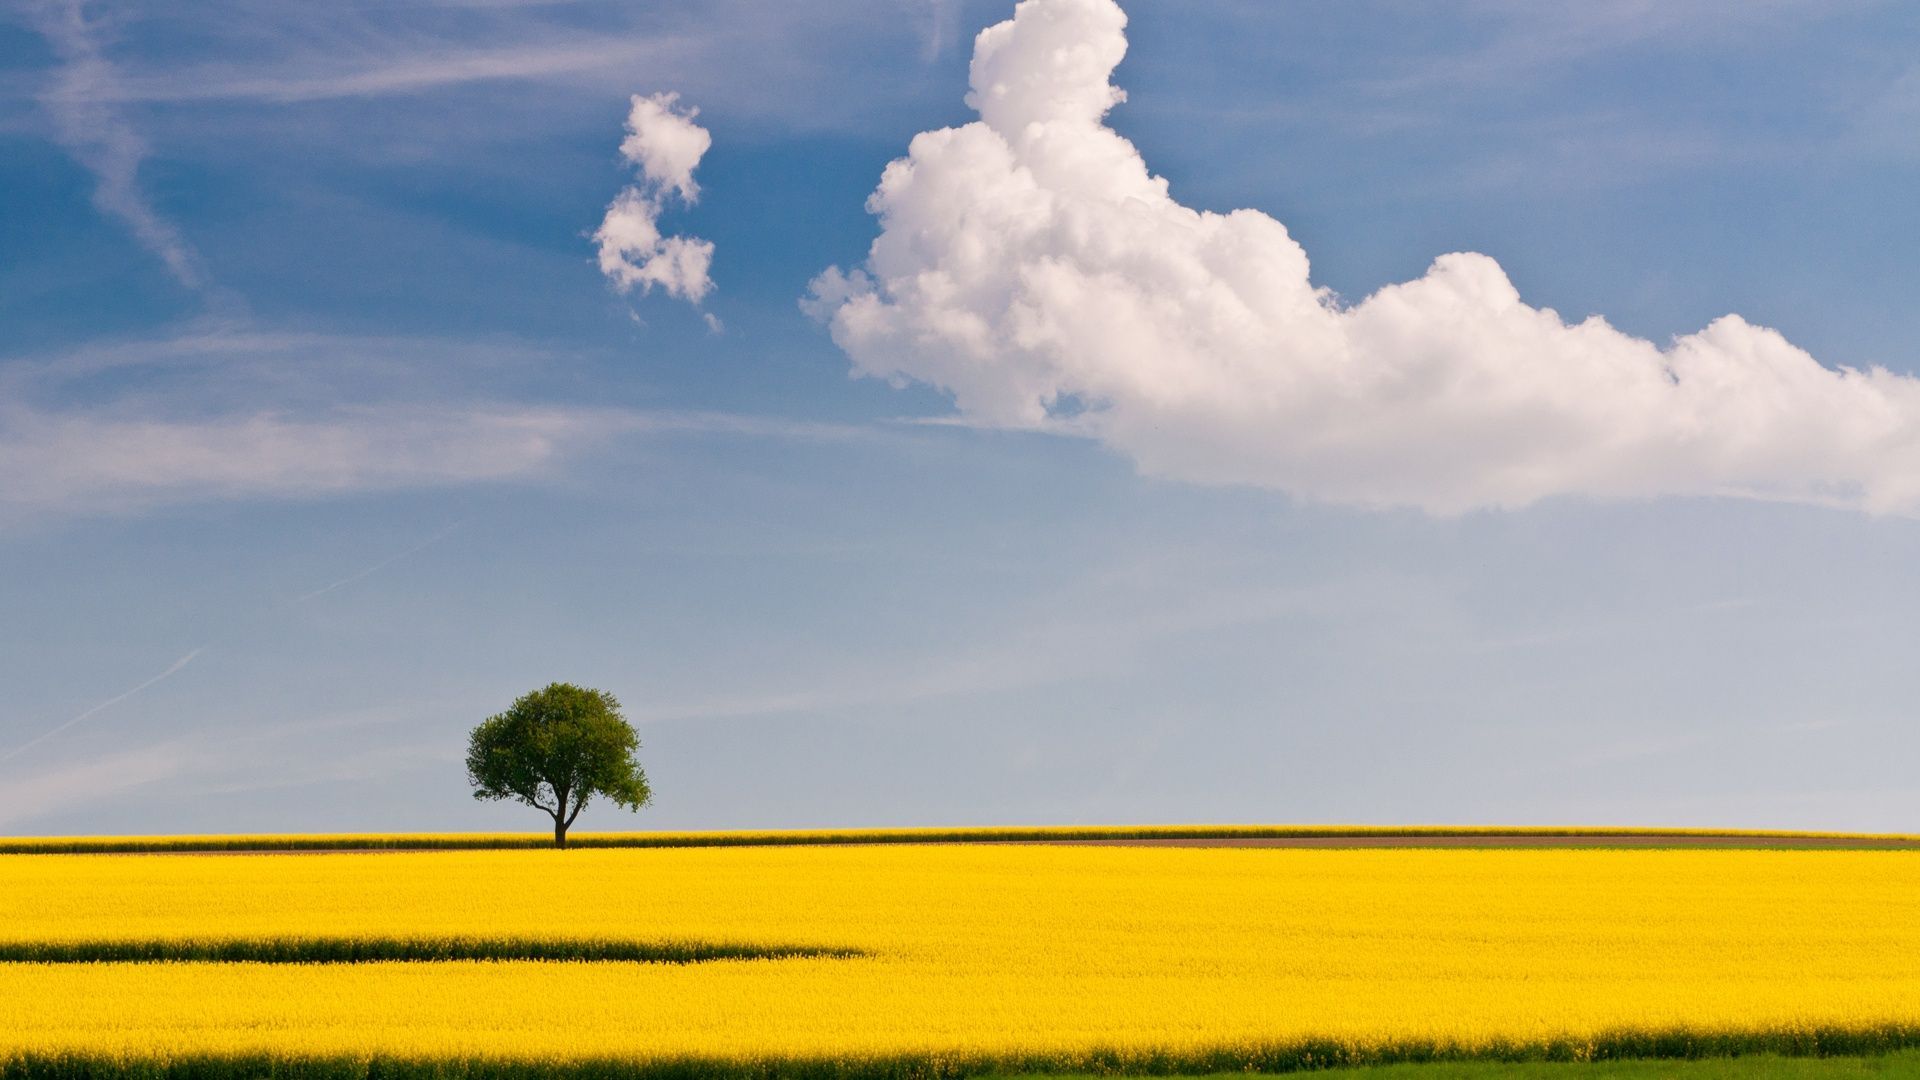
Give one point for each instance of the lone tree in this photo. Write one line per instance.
(555, 749)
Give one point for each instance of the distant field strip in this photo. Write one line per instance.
(1304, 835)
(1671, 1056)
(1745, 1067)
(376, 949)
(972, 958)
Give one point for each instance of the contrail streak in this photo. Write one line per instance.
(177, 665)
(107, 704)
(383, 563)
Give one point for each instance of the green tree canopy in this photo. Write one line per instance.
(555, 749)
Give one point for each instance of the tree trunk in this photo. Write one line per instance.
(559, 831)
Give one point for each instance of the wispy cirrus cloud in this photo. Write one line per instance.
(1519, 42)
(82, 105)
(1530, 98)
(64, 462)
(389, 73)
(230, 411)
(226, 412)
(131, 458)
(236, 54)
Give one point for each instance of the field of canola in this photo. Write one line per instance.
(930, 960)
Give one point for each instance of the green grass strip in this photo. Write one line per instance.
(366, 950)
(1765, 1051)
(1491, 835)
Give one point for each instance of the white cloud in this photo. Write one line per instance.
(70, 461)
(291, 80)
(666, 146)
(228, 411)
(100, 138)
(64, 461)
(1031, 265)
(665, 143)
(941, 26)
(238, 412)
(559, 53)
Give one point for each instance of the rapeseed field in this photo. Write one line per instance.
(927, 960)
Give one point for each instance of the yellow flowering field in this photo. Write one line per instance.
(921, 960)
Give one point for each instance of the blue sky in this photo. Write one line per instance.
(307, 372)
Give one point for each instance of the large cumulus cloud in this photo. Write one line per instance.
(1030, 265)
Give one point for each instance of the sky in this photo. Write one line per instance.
(1480, 413)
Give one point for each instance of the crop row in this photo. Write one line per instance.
(375, 949)
(1298, 1056)
(812, 837)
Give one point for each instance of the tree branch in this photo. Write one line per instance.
(532, 799)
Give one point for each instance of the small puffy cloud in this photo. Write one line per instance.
(665, 143)
(632, 251)
(666, 146)
(1032, 266)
